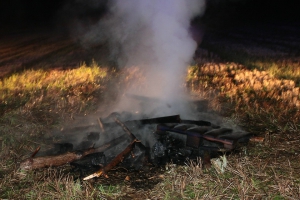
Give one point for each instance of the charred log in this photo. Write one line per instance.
(118, 159)
(228, 144)
(58, 160)
(156, 120)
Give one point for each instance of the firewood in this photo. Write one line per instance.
(118, 159)
(125, 128)
(156, 120)
(101, 125)
(131, 135)
(35, 152)
(58, 160)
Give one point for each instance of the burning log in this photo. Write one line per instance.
(58, 160)
(119, 158)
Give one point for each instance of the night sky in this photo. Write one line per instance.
(24, 13)
(16, 14)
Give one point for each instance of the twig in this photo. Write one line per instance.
(125, 128)
(101, 125)
(35, 152)
(131, 135)
(58, 160)
(119, 158)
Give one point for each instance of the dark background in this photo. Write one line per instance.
(16, 14)
(234, 12)
(24, 13)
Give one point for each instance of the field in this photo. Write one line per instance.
(251, 77)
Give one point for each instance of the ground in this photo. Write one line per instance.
(250, 75)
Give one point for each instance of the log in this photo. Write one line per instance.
(125, 128)
(196, 122)
(156, 120)
(131, 135)
(58, 160)
(118, 159)
(228, 144)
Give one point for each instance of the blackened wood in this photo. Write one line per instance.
(125, 128)
(118, 159)
(156, 120)
(196, 122)
(58, 160)
(35, 152)
(228, 144)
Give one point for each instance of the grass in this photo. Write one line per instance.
(268, 170)
(259, 100)
(38, 88)
(271, 53)
(110, 190)
(279, 68)
(32, 102)
(245, 177)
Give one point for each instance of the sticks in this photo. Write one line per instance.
(35, 152)
(156, 120)
(58, 160)
(101, 124)
(119, 158)
(125, 128)
(47, 161)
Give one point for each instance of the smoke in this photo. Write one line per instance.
(153, 35)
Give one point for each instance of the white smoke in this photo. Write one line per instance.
(153, 35)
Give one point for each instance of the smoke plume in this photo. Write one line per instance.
(153, 35)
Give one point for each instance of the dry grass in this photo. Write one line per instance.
(35, 101)
(251, 95)
(274, 49)
(266, 170)
(260, 171)
(32, 103)
(52, 90)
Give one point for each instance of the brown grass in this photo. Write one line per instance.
(34, 102)
(267, 170)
